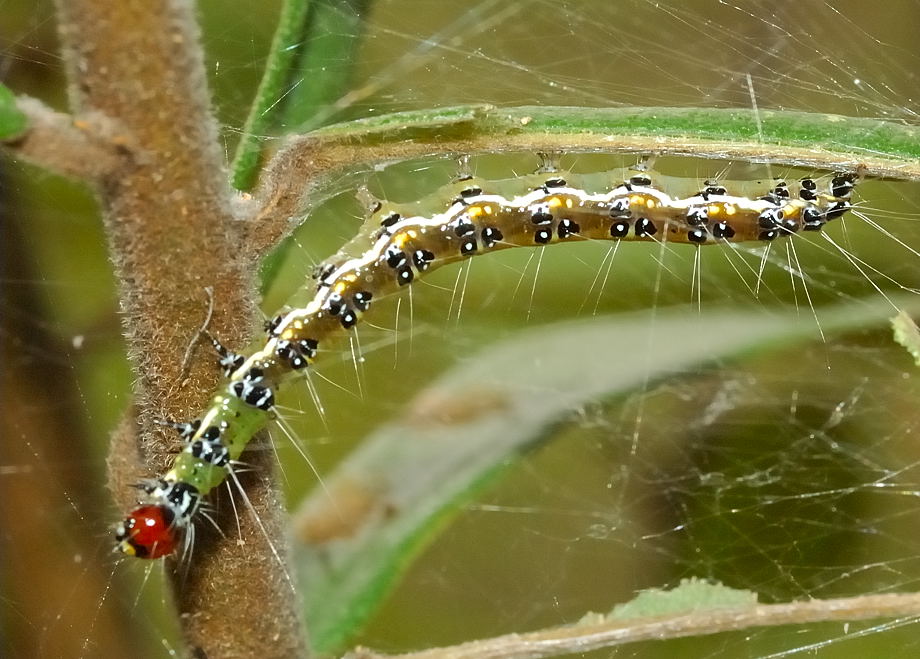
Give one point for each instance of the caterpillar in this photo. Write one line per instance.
(400, 243)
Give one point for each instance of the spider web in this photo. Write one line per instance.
(790, 471)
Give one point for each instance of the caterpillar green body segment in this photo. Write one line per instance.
(238, 423)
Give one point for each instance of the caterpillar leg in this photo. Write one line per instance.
(549, 162)
(185, 430)
(368, 201)
(228, 360)
(464, 171)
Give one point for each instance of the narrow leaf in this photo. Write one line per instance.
(690, 596)
(907, 334)
(385, 502)
(325, 63)
(12, 121)
(283, 52)
(825, 140)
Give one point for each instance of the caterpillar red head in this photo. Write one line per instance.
(155, 528)
(149, 531)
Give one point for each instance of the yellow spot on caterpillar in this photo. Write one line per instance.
(401, 239)
(474, 211)
(635, 199)
(650, 203)
(568, 203)
(488, 210)
(553, 202)
(714, 209)
(730, 209)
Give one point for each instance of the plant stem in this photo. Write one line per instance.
(170, 224)
(289, 36)
(581, 637)
(89, 148)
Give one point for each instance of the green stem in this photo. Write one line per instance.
(283, 52)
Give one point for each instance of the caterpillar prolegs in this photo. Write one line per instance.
(401, 243)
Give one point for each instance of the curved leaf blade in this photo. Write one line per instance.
(407, 479)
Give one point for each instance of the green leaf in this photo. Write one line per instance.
(283, 52)
(408, 478)
(325, 63)
(799, 138)
(308, 66)
(816, 130)
(689, 596)
(907, 334)
(12, 121)
(430, 124)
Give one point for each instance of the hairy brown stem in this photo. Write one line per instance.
(171, 226)
(609, 632)
(91, 147)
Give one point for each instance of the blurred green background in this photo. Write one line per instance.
(790, 471)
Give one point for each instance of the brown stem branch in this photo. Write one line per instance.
(171, 228)
(91, 147)
(593, 635)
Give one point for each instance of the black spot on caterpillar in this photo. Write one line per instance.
(401, 243)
